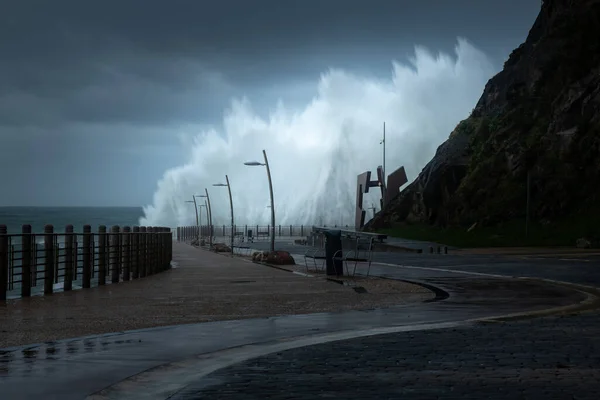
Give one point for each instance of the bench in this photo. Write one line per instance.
(239, 243)
(314, 255)
(361, 252)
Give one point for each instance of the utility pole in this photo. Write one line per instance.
(528, 201)
(383, 166)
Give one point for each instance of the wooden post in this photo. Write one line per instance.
(159, 259)
(143, 265)
(3, 262)
(102, 271)
(149, 254)
(158, 246)
(68, 284)
(126, 252)
(86, 276)
(48, 259)
(158, 250)
(154, 249)
(114, 254)
(161, 249)
(26, 260)
(170, 239)
(135, 253)
(165, 242)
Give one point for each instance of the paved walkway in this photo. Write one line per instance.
(203, 287)
(553, 358)
(421, 350)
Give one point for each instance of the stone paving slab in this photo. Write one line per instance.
(551, 358)
(203, 287)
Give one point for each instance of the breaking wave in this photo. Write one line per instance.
(316, 151)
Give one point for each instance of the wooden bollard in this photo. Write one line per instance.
(163, 241)
(4, 264)
(68, 283)
(162, 250)
(26, 250)
(143, 266)
(114, 254)
(431, 249)
(159, 249)
(439, 250)
(170, 239)
(157, 261)
(126, 252)
(88, 261)
(167, 244)
(102, 262)
(149, 250)
(445, 249)
(48, 259)
(135, 253)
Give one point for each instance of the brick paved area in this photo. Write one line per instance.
(551, 358)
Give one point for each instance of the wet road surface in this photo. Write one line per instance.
(551, 358)
(580, 269)
(76, 368)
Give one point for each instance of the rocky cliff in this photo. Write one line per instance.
(538, 117)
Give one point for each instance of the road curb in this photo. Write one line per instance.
(590, 303)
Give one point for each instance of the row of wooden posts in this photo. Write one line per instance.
(127, 252)
(185, 233)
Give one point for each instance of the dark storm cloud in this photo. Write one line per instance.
(148, 61)
(85, 83)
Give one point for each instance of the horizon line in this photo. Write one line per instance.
(1, 206)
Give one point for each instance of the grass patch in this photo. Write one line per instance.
(508, 234)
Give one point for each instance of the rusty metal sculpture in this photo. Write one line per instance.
(389, 190)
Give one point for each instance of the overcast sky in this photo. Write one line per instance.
(94, 95)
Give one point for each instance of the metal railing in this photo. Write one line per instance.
(258, 232)
(35, 263)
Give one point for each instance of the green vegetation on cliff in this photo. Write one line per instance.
(538, 121)
(564, 232)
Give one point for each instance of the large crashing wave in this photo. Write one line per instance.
(316, 152)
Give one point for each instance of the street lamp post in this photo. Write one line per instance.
(196, 211)
(209, 211)
(266, 164)
(231, 205)
(200, 219)
(383, 169)
(207, 215)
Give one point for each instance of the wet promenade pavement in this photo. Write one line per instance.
(426, 350)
